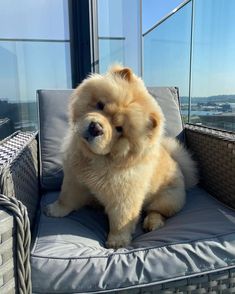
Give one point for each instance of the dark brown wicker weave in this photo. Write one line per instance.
(214, 150)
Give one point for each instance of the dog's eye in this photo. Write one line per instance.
(119, 129)
(100, 105)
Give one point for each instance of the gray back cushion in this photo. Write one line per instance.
(168, 99)
(53, 123)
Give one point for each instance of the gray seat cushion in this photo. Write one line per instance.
(69, 254)
(53, 123)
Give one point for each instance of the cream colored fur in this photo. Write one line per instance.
(182, 156)
(126, 171)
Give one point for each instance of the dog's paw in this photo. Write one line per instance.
(118, 241)
(55, 210)
(153, 221)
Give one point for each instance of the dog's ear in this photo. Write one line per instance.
(153, 121)
(123, 72)
(155, 125)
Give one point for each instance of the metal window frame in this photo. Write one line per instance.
(81, 29)
(94, 36)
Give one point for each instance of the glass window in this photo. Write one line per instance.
(111, 51)
(154, 10)
(26, 67)
(110, 18)
(27, 19)
(166, 54)
(213, 64)
(34, 54)
(119, 33)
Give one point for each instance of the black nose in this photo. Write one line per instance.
(95, 129)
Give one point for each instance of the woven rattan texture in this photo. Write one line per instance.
(222, 282)
(19, 170)
(15, 274)
(7, 249)
(214, 151)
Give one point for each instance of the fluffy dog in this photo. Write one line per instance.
(116, 151)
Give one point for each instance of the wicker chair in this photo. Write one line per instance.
(21, 190)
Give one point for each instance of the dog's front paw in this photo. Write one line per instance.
(118, 241)
(56, 210)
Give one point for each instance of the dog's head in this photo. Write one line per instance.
(114, 115)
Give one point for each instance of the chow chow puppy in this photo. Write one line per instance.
(116, 152)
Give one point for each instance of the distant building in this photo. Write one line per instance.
(232, 107)
(6, 128)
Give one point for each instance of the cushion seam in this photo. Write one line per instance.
(129, 252)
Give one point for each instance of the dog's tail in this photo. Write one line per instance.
(184, 159)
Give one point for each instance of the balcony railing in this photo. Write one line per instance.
(191, 48)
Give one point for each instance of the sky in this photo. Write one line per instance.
(167, 48)
(27, 66)
(155, 10)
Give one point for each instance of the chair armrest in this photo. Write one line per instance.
(214, 150)
(15, 273)
(19, 170)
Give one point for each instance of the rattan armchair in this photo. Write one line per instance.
(20, 191)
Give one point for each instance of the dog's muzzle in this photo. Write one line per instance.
(94, 130)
